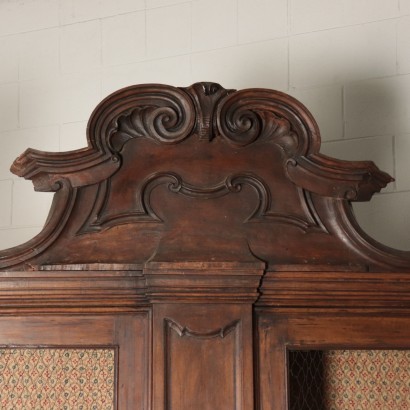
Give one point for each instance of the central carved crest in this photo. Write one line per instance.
(203, 172)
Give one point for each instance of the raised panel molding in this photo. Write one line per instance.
(203, 356)
(210, 360)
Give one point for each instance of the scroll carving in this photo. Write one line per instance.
(242, 124)
(204, 143)
(259, 115)
(163, 116)
(166, 117)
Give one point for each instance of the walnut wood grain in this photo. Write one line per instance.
(202, 234)
(239, 171)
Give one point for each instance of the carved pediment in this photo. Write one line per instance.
(201, 174)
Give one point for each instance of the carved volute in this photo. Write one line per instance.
(201, 174)
(201, 234)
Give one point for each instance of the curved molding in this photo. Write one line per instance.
(162, 113)
(232, 184)
(164, 116)
(231, 125)
(346, 227)
(353, 181)
(159, 112)
(259, 115)
(169, 115)
(78, 168)
(185, 331)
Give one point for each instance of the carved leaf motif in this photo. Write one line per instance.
(157, 123)
(205, 111)
(244, 126)
(247, 116)
(134, 125)
(164, 116)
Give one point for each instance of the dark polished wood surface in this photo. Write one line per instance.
(203, 234)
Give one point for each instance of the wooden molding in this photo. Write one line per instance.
(201, 174)
(202, 234)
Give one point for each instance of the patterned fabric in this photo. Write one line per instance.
(58, 379)
(366, 380)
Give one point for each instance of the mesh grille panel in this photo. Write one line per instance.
(306, 380)
(349, 380)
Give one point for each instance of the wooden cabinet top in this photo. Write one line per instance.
(201, 175)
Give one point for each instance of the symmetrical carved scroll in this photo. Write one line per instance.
(232, 158)
(233, 184)
(143, 211)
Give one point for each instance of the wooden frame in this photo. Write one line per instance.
(279, 333)
(125, 334)
(203, 233)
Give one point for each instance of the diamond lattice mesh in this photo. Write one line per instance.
(349, 380)
(60, 379)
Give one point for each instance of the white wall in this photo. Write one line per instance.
(347, 60)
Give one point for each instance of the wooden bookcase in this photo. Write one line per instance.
(201, 238)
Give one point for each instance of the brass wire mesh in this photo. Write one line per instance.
(349, 380)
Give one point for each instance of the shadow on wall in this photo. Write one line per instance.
(376, 127)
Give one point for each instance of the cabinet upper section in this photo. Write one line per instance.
(201, 174)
